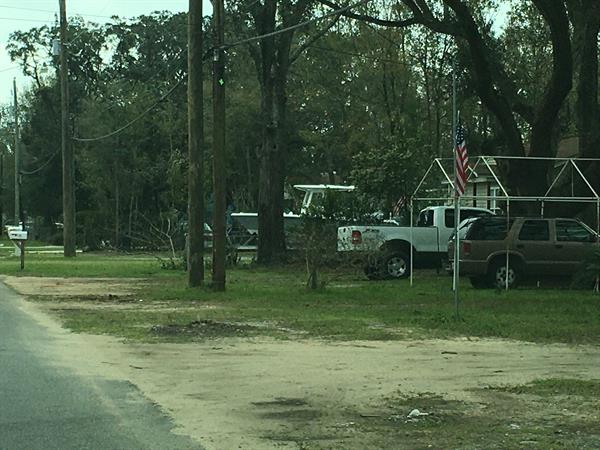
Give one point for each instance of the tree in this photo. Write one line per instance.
(273, 55)
(465, 21)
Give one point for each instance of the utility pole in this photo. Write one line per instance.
(2, 188)
(219, 176)
(68, 167)
(17, 155)
(195, 237)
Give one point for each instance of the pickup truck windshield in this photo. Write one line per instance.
(465, 213)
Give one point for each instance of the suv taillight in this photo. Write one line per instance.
(466, 248)
(356, 237)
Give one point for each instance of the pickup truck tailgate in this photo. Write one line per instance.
(359, 238)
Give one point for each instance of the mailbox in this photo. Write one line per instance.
(17, 235)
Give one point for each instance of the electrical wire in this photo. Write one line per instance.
(25, 20)
(42, 167)
(7, 69)
(293, 27)
(51, 11)
(208, 53)
(128, 124)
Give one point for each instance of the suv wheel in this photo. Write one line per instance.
(499, 273)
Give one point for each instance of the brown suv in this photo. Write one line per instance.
(497, 248)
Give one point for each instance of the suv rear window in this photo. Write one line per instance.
(489, 229)
(569, 230)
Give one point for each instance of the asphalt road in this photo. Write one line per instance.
(46, 407)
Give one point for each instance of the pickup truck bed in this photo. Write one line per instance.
(387, 248)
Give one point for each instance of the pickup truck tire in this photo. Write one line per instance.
(392, 265)
(396, 265)
(498, 272)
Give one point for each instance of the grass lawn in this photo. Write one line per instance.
(558, 413)
(275, 301)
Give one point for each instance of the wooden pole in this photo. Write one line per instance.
(22, 246)
(219, 175)
(195, 237)
(67, 149)
(1, 191)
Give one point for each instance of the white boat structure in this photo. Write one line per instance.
(312, 192)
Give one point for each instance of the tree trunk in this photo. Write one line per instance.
(130, 220)
(117, 212)
(271, 238)
(586, 24)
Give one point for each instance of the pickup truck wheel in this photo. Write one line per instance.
(499, 273)
(396, 265)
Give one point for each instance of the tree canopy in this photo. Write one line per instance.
(361, 98)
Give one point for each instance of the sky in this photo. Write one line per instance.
(26, 14)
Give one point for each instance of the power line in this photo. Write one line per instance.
(298, 25)
(42, 167)
(19, 8)
(128, 124)
(208, 53)
(6, 69)
(25, 20)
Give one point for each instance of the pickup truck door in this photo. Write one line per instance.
(573, 244)
(426, 239)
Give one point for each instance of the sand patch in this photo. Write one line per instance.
(74, 287)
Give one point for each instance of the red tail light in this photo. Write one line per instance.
(466, 248)
(356, 237)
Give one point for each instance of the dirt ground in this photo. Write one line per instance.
(263, 393)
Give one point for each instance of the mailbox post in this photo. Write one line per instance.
(19, 237)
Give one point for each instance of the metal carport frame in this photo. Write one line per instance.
(490, 162)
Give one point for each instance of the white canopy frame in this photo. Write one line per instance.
(490, 163)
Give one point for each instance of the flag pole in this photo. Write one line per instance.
(456, 271)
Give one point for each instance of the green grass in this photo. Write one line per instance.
(350, 307)
(86, 265)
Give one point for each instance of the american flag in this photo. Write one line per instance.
(399, 205)
(461, 160)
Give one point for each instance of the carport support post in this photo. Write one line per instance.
(411, 242)
(597, 284)
(456, 268)
(507, 242)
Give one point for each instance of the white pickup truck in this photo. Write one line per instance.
(387, 247)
